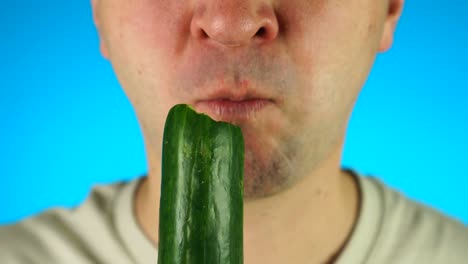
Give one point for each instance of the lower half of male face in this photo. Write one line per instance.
(287, 72)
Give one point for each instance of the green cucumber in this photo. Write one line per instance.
(201, 206)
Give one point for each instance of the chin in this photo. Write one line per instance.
(265, 175)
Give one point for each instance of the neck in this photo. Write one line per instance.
(308, 223)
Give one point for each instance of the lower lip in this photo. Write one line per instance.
(232, 111)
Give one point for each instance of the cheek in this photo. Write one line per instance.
(157, 29)
(140, 36)
(144, 32)
(333, 46)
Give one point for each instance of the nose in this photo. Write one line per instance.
(234, 23)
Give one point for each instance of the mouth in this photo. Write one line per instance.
(235, 103)
(233, 111)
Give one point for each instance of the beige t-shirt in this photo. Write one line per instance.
(390, 229)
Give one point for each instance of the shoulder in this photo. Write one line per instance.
(60, 233)
(411, 232)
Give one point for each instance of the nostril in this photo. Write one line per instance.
(261, 32)
(203, 34)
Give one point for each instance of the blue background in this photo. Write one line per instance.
(66, 124)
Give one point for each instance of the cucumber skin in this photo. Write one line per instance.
(201, 206)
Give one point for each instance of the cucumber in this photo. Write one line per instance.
(201, 205)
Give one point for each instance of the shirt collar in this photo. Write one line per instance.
(138, 245)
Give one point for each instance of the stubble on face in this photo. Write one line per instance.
(312, 71)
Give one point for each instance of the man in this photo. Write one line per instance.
(288, 73)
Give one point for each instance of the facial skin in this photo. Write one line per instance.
(309, 59)
(292, 69)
